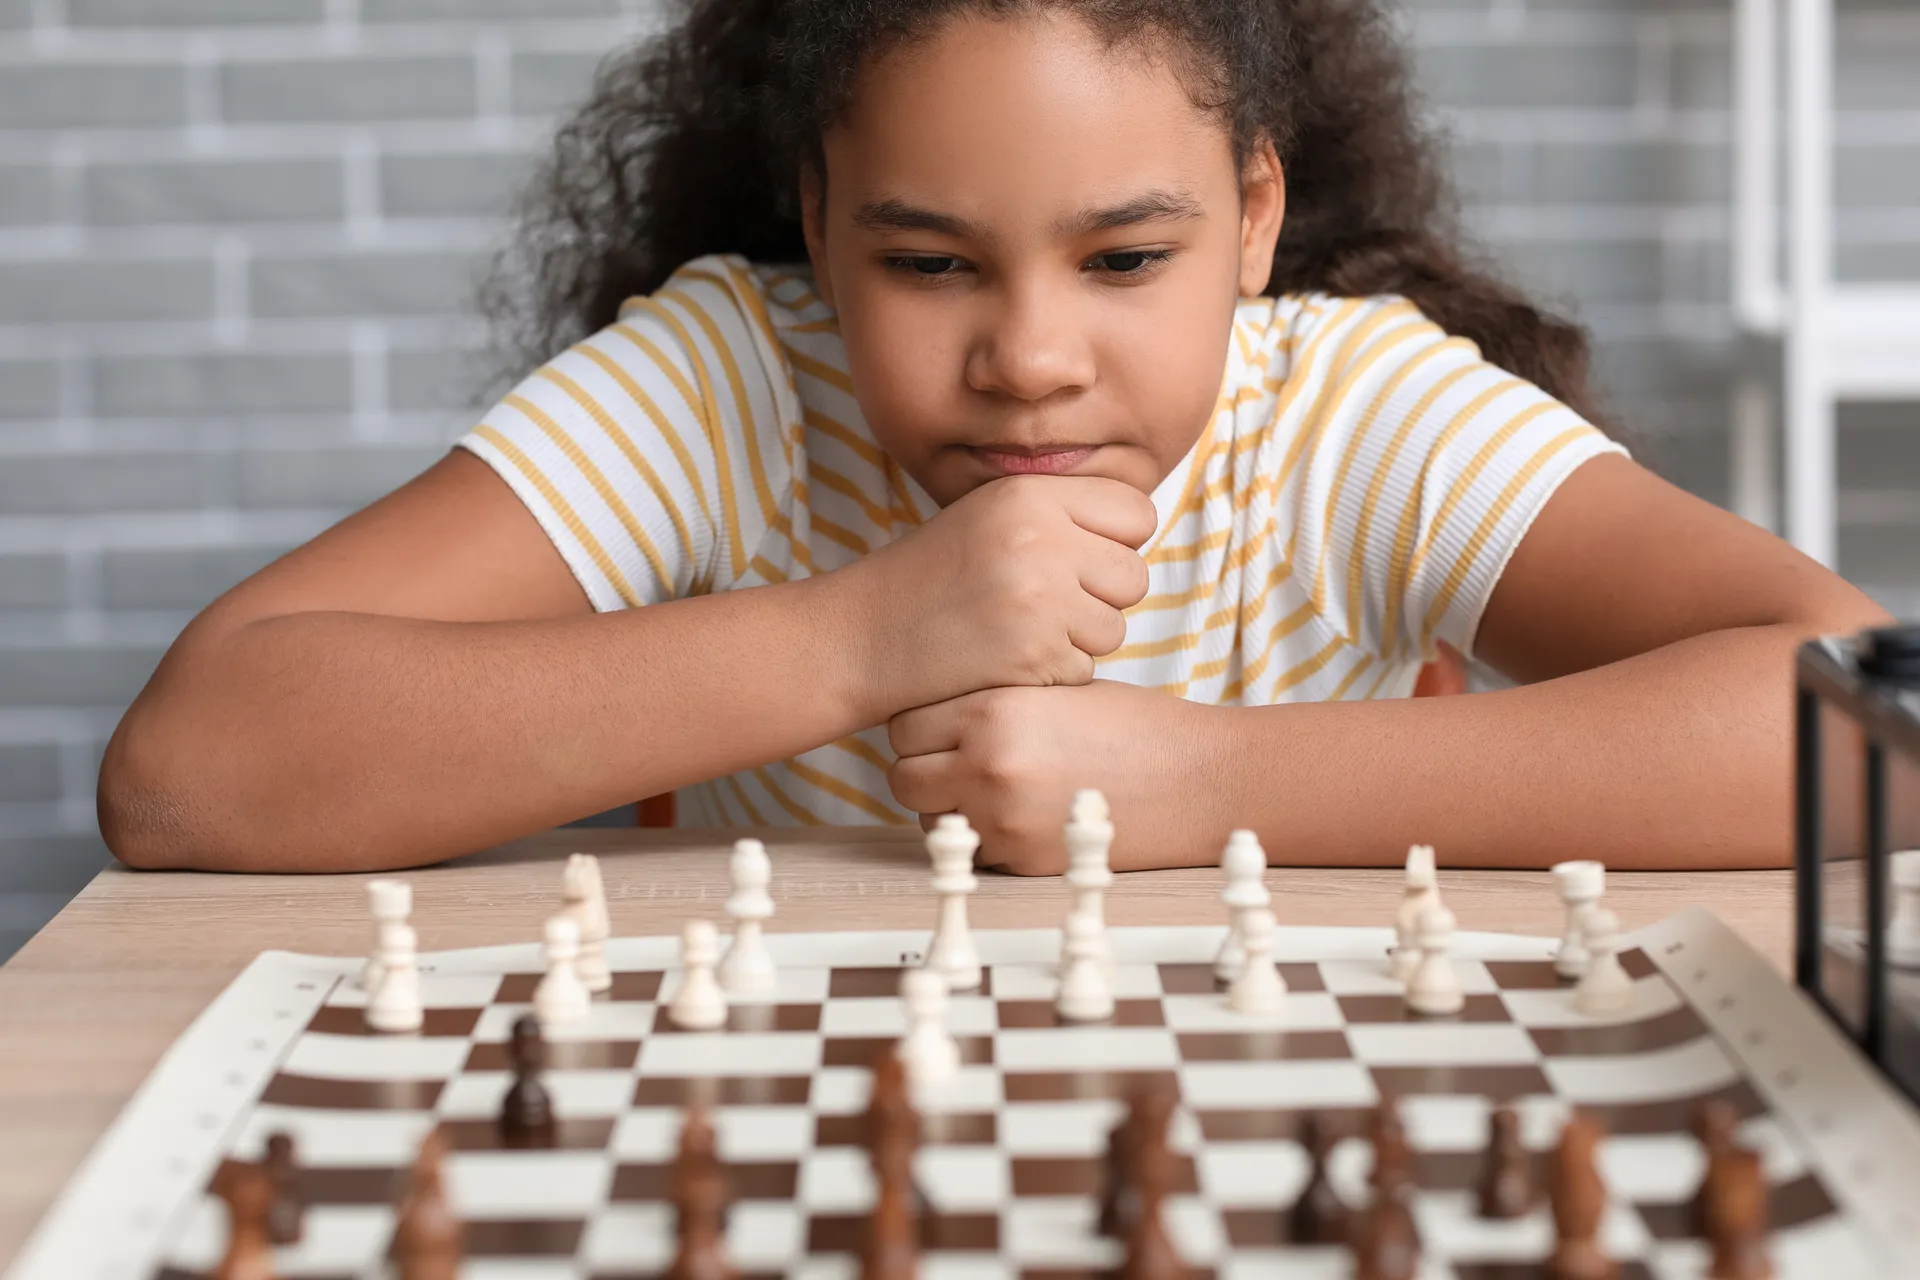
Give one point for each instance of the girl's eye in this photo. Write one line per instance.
(1134, 262)
(1130, 262)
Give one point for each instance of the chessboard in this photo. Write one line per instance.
(1011, 1161)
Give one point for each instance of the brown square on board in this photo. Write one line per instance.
(372, 1185)
(1525, 975)
(1028, 1014)
(1188, 979)
(1673, 1115)
(964, 1232)
(762, 1017)
(1261, 1046)
(746, 1180)
(1674, 1027)
(1480, 1007)
(1533, 1271)
(319, 1093)
(1502, 1083)
(1085, 1175)
(722, 1091)
(937, 1128)
(1277, 1124)
(524, 1238)
(350, 1020)
(562, 1055)
(885, 981)
(518, 988)
(864, 1051)
(1638, 963)
(1087, 1273)
(568, 1135)
(1074, 1086)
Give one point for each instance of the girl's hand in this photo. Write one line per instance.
(1010, 760)
(1021, 582)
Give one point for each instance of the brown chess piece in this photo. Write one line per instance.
(892, 1247)
(699, 1195)
(1736, 1217)
(1319, 1215)
(890, 1127)
(1149, 1112)
(526, 1111)
(248, 1191)
(429, 1240)
(1714, 1126)
(1384, 1239)
(1392, 1157)
(284, 1219)
(1150, 1252)
(1506, 1181)
(1579, 1200)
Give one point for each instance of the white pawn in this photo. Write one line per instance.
(747, 974)
(1089, 840)
(586, 904)
(1245, 864)
(699, 1004)
(561, 996)
(395, 1006)
(950, 847)
(1085, 994)
(1605, 987)
(931, 1055)
(1434, 990)
(1581, 883)
(1422, 890)
(389, 902)
(1258, 987)
(1903, 931)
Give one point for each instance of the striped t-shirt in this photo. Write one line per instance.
(1352, 501)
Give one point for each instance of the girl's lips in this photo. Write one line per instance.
(1055, 463)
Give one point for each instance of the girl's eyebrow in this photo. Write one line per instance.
(893, 214)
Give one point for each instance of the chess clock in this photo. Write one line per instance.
(1857, 840)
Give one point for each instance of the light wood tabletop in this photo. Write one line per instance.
(88, 1006)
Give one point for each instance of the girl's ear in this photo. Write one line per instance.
(1263, 207)
(813, 214)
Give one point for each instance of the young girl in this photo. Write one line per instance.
(960, 402)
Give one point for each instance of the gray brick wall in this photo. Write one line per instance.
(237, 239)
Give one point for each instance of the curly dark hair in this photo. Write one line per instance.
(692, 143)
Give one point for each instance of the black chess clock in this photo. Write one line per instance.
(1857, 840)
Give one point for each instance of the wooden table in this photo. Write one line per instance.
(88, 1007)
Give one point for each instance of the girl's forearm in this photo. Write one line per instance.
(1680, 758)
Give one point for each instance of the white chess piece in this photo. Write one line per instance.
(395, 1006)
(561, 996)
(1581, 883)
(586, 904)
(1244, 863)
(1434, 990)
(700, 1004)
(389, 902)
(1605, 987)
(1085, 994)
(1258, 987)
(1421, 892)
(1903, 931)
(1089, 840)
(950, 847)
(931, 1055)
(747, 974)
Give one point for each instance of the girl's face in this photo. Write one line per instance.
(1035, 245)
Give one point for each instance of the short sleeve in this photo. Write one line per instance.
(649, 452)
(1428, 467)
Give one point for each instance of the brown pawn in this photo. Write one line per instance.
(699, 1195)
(1506, 1181)
(1736, 1218)
(248, 1191)
(1319, 1215)
(1149, 1113)
(284, 1225)
(429, 1240)
(1150, 1253)
(1579, 1200)
(1385, 1241)
(526, 1112)
(1714, 1125)
(891, 1126)
(1392, 1157)
(892, 1250)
